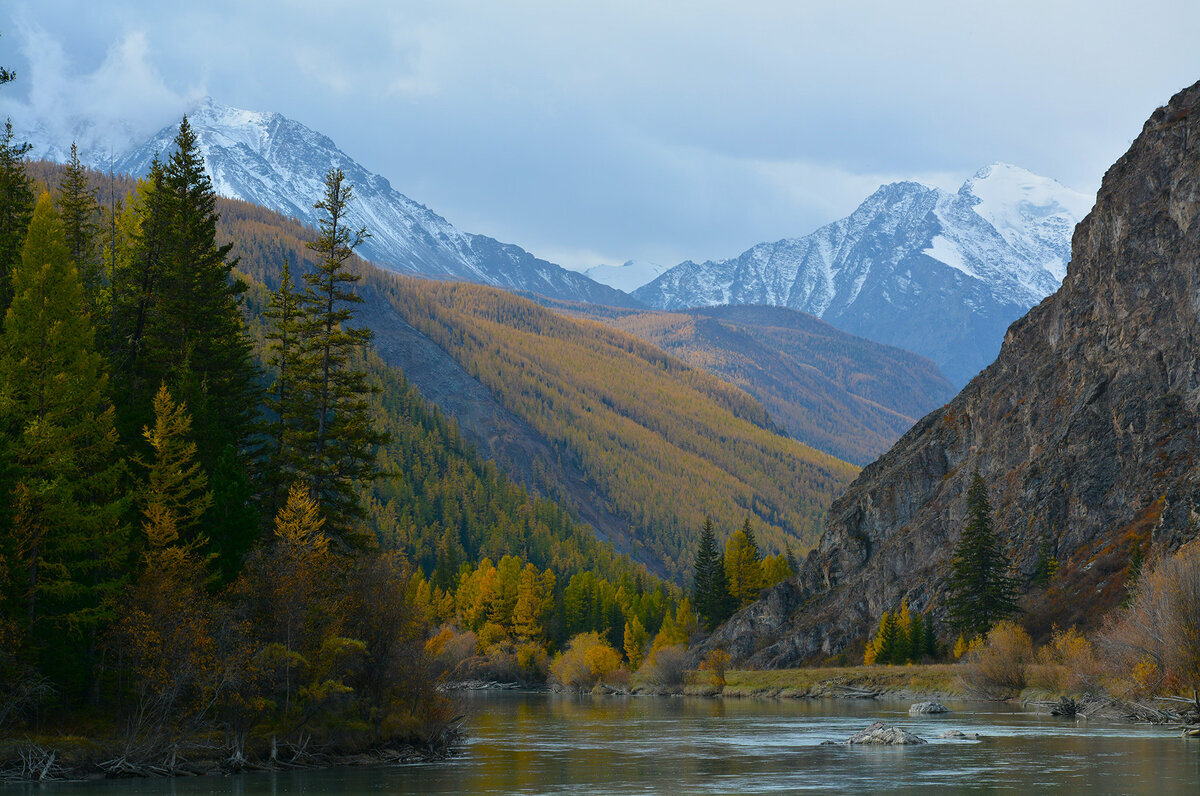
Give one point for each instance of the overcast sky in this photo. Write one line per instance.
(599, 132)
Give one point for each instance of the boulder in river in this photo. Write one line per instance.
(959, 735)
(927, 707)
(884, 734)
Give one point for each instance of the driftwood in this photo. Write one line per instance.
(854, 692)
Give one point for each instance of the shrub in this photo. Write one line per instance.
(1067, 664)
(996, 669)
(1155, 642)
(587, 660)
(716, 663)
(665, 668)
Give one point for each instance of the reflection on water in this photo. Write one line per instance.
(539, 743)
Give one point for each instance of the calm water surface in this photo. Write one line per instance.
(543, 743)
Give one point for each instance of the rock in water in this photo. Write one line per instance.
(927, 707)
(1084, 429)
(959, 735)
(886, 735)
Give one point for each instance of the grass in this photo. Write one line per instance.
(934, 679)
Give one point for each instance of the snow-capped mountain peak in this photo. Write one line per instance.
(942, 274)
(271, 160)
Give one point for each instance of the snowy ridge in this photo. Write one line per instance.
(942, 274)
(276, 162)
(628, 276)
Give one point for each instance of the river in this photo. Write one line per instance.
(546, 743)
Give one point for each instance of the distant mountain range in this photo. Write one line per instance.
(942, 274)
(278, 163)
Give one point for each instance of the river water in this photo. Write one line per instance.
(547, 743)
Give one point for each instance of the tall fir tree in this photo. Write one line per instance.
(16, 209)
(335, 437)
(979, 589)
(178, 321)
(63, 529)
(285, 407)
(79, 211)
(710, 589)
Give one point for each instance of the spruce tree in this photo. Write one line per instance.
(710, 589)
(16, 209)
(284, 402)
(178, 321)
(335, 438)
(62, 529)
(979, 588)
(79, 211)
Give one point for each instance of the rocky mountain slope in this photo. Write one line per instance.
(971, 262)
(1085, 429)
(841, 394)
(278, 163)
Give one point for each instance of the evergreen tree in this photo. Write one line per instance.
(887, 642)
(281, 459)
(79, 212)
(63, 530)
(335, 437)
(980, 590)
(16, 209)
(710, 589)
(178, 321)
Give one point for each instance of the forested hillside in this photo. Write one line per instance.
(666, 444)
(199, 531)
(842, 394)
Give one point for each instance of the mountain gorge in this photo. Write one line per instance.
(836, 392)
(1084, 428)
(972, 261)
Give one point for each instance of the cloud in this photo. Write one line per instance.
(123, 100)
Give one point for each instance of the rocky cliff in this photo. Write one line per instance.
(1085, 429)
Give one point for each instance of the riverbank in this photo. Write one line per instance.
(915, 681)
(72, 758)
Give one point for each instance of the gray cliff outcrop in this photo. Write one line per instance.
(1085, 429)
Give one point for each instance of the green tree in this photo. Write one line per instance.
(63, 532)
(16, 208)
(336, 437)
(79, 212)
(980, 590)
(285, 409)
(710, 589)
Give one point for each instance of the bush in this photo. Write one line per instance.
(665, 668)
(587, 660)
(996, 669)
(1067, 664)
(1155, 642)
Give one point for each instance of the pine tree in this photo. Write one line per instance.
(65, 534)
(281, 458)
(886, 642)
(336, 437)
(78, 209)
(710, 589)
(16, 209)
(980, 590)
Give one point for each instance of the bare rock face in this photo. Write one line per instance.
(1085, 429)
(885, 735)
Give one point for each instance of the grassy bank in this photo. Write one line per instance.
(916, 680)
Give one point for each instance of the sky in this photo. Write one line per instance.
(598, 132)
